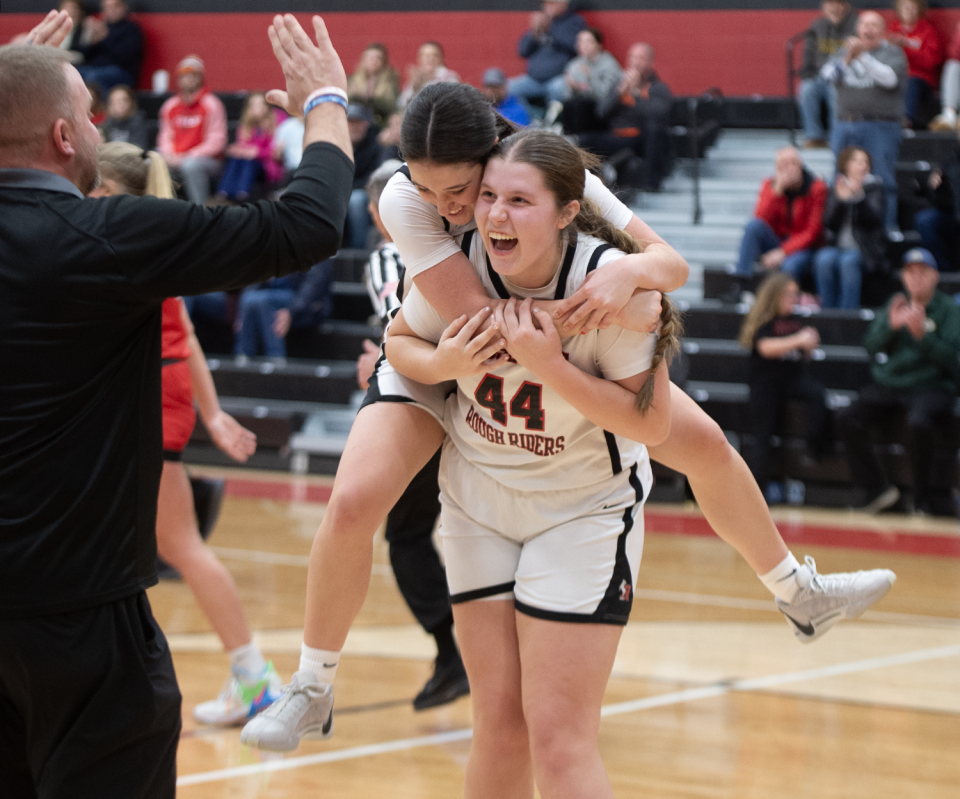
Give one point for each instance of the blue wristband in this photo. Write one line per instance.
(323, 98)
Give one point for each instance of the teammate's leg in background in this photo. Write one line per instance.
(253, 683)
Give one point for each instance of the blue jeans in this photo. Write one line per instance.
(106, 77)
(838, 273)
(881, 140)
(526, 88)
(258, 307)
(811, 94)
(239, 175)
(918, 90)
(938, 232)
(212, 306)
(759, 238)
(358, 219)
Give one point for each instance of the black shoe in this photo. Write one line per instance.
(207, 501)
(449, 682)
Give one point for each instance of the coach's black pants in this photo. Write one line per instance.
(878, 406)
(416, 564)
(89, 705)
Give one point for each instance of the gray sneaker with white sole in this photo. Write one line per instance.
(830, 598)
(304, 710)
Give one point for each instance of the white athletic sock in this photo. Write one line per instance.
(322, 663)
(247, 661)
(787, 578)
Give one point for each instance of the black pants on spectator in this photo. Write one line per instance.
(878, 407)
(768, 399)
(89, 705)
(416, 564)
(652, 145)
(579, 115)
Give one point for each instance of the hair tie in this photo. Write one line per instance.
(144, 155)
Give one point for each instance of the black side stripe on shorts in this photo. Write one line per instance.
(614, 451)
(595, 258)
(481, 593)
(617, 600)
(561, 291)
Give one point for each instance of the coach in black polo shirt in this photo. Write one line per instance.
(89, 704)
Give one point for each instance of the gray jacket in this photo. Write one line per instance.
(602, 74)
(872, 86)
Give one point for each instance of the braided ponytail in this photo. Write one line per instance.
(668, 345)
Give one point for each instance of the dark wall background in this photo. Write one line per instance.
(737, 45)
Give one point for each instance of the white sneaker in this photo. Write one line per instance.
(240, 698)
(828, 598)
(304, 710)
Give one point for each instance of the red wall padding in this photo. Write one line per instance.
(742, 52)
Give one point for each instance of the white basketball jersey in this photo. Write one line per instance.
(519, 431)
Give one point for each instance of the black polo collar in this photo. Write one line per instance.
(37, 179)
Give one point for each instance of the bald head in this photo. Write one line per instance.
(789, 168)
(34, 94)
(640, 57)
(871, 28)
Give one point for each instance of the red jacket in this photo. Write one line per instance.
(797, 221)
(926, 60)
(195, 129)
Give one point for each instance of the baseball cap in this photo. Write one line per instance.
(920, 255)
(357, 111)
(494, 77)
(191, 63)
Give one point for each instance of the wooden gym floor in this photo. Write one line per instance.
(711, 695)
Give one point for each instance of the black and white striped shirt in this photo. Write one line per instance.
(384, 277)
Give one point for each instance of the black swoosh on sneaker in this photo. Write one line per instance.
(806, 629)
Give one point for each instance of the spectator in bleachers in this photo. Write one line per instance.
(949, 86)
(430, 68)
(870, 74)
(591, 76)
(268, 311)
(506, 104)
(375, 83)
(921, 43)
(288, 146)
(637, 111)
(112, 47)
(125, 121)
(780, 345)
(389, 137)
(98, 110)
(366, 158)
(71, 42)
(937, 220)
(548, 45)
(826, 35)
(853, 232)
(914, 346)
(193, 131)
(788, 220)
(250, 157)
